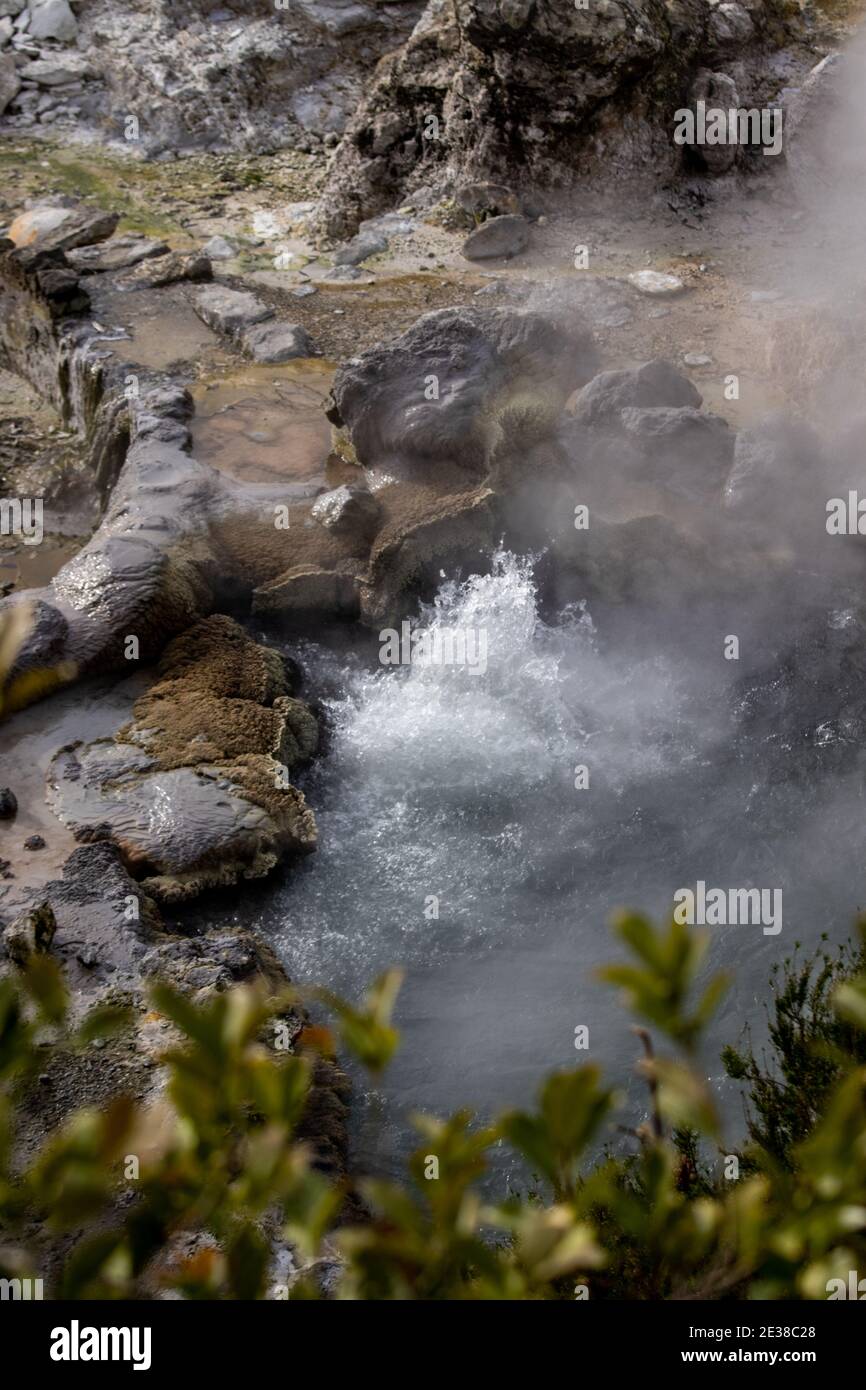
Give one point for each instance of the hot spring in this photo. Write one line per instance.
(478, 827)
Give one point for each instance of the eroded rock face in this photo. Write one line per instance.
(536, 92)
(195, 791)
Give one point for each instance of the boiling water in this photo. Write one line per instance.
(447, 784)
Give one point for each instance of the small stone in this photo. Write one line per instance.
(697, 359)
(302, 291)
(219, 249)
(655, 282)
(499, 238)
(8, 803)
(765, 296)
(34, 842)
(361, 248)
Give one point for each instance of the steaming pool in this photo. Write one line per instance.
(458, 785)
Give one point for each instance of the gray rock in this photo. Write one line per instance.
(776, 462)
(118, 254)
(12, 7)
(480, 361)
(361, 248)
(47, 228)
(5, 30)
(718, 91)
(53, 19)
(274, 341)
(230, 311)
(8, 803)
(655, 383)
(219, 249)
(57, 70)
(10, 82)
(685, 450)
(499, 238)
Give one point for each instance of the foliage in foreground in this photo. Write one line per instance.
(130, 1190)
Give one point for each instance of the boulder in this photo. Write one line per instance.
(274, 341)
(218, 249)
(499, 238)
(47, 227)
(8, 803)
(459, 387)
(685, 450)
(228, 311)
(777, 464)
(194, 791)
(655, 383)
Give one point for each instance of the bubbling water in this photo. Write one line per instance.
(478, 827)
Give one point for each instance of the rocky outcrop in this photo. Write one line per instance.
(536, 93)
(194, 792)
(172, 78)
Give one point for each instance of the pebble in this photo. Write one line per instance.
(655, 282)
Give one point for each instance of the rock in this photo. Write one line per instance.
(687, 451)
(34, 842)
(118, 254)
(654, 383)
(10, 83)
(348, 509)
(777, 465)
(56, 70)
(49, 228)
(210, 743)
(339, 273)
(485, 363)
(274, 341)
(218, 249)
(155, 272)
(697, 359)
(486, 199)
(655, 282)
(230, 311)
(31, 934)
(12, 7)
(499, 238)
(8, 803)
(361, 248)
(730, 25)
(52, 19)
(5, 30)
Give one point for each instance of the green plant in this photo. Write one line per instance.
(222, 1176)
